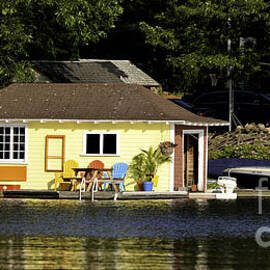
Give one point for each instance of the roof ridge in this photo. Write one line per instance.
(80, 60)
(92, 70)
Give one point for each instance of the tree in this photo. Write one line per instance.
(191, 37)
(126, 40)
(50, 29)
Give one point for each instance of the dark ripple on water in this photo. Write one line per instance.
(177, 234)
(174, 219)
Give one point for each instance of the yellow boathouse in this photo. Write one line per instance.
(42, 125)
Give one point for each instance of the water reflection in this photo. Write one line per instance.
(178, 234)
(87, 253)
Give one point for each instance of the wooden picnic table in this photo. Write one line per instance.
(94, 176)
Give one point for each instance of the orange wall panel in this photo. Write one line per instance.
(10, 187)
(13, 173)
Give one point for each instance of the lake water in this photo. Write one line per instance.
(163, 234)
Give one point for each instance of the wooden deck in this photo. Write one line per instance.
(109, 195)
(201, 195)
(35, 194)
(245, 193)
(100, 195)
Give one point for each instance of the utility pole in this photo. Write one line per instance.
(231, 93)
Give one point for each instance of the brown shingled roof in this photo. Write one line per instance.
(93, 71)
(84, 101)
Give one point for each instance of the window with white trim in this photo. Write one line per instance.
(101, 143)
(12, 143)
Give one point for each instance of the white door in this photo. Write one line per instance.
(193, 172)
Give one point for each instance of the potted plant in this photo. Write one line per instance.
(147, 163)
(167, 147)
(136, 171)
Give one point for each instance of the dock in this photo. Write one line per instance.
(249, 193)
(129, 195)
(99, 195)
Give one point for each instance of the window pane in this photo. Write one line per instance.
(6, 155)
(54, 164)
(18, 138)
(109, 144)
(22, 131)
(55, 146)
(92, 143)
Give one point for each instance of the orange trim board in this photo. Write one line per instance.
(13, 173)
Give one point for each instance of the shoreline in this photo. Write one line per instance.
(129, 195)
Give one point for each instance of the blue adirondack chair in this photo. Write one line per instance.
(119, 172)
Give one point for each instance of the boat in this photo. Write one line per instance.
(251, 177)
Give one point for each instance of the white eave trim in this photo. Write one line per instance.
(202, 124)
(131, 121)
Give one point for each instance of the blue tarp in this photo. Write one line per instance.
(217, 166)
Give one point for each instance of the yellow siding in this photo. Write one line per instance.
(133, 137)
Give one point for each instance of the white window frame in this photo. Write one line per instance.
(101, 143)
(12, 160)
(172, 139)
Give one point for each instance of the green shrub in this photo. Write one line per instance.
(252, 151)
(212, 186)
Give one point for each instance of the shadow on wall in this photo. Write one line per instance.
(51, 184)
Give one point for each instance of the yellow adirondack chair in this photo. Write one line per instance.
(155, 180)
(67, 173)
